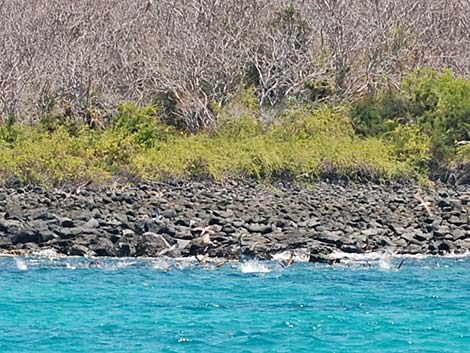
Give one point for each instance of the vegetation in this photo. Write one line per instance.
(304, 143)
(262, 89)
(405, 133)
(428, 118)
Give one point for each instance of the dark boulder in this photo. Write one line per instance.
(151, 244)
(27, 236)
(262, 229)
(67, 223)
(104, 247)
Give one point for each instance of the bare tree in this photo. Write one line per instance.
(76, 57)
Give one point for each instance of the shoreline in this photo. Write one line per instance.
(50, 254)
(381, 261)
(237, 220)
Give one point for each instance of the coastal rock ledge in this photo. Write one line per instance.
(235, 220)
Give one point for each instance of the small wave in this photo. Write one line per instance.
(122, 264)
(184, 340)
(102, 263)
(70, 266)
(253, 267)
(454, 255)
(369, 256)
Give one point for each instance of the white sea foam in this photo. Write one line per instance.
(453, 255)
(20, 264)
(123, 264)
(253, 267)
(353, 257)
(183, 263)
(99, 263)
(48, 253)
(382, 260)
(376, 256)
(299, 255)
(385, 261)
(162, 264)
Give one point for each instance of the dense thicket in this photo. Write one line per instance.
(83, 57)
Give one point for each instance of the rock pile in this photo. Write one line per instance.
(235, 220)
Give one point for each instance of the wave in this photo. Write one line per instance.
(382, 260)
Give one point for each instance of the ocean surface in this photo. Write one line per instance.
(98, 305)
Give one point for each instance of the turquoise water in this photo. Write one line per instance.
(72, 305)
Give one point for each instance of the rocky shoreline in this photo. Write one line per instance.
(235, 220)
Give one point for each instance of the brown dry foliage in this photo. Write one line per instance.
(71, 57)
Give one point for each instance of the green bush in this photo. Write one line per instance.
(141, 124)
(441, 104)
(240, 117)
(53, 158)
(435, 104)
(51, 123)
(463, 152)
(301, 142)
(409, 145)
(305, 121)
(9, 131)
(378, 113)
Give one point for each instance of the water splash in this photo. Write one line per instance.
(70, 266)
(253, 267)
(385, 262)
(20, 264)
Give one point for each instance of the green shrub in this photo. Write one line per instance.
(306, 143)
(463, 152)
(141, 124)
(9, 131)
(300, 142)
(319, 90)
(51, 158)
(50, 123)
(378, 114)
(240, 117)
(411, 146)
(441, 104)
(305, 121)
(436, 104)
